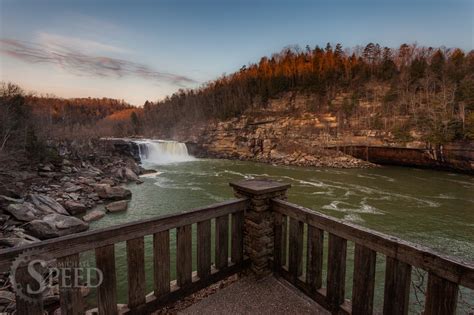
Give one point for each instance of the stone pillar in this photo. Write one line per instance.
(259, 220)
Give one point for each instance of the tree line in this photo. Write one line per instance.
(431, 88)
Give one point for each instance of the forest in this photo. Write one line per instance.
(433, 88)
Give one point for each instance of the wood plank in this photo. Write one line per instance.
(363, 280)
(278, 241)
(284, 245)
(222, 241)
(441, 296)
(296, 248)
(204, 249)
(184, 259)
(314, 259)
(336, 271)
(26, 307)
(107, 290)
(155, 303)
(452, 269)
(397, 287)
(136, 272)
(237, 243)
(70, 296)
(161, 263)
(319, 296)
(84, 241)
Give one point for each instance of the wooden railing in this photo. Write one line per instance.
(445, 275)
(67, 249)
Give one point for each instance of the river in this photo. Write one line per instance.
(432, 208)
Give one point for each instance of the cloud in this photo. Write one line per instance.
(55, 42)
(67, 55)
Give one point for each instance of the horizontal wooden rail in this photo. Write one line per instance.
(228, 218)
(445, 273)
(80, 242)
(454, 270)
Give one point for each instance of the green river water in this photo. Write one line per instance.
(432, 208)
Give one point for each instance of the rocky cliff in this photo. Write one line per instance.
(290, 130)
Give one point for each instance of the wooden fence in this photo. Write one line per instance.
(445, 275)
(67, 249)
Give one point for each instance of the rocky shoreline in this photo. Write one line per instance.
(41, 201)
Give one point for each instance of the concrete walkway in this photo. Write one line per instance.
(249, 296)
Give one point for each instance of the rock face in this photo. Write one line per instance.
(117, 206)
(55, 225)
(94, 215)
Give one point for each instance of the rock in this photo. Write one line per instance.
(55, 225)
(73, 188)
(112, 193)
(47, 204)
(9, 199)
(66, 169)
(129, 174)
(74, 207)
(67, 163)
(94, 215)
(6, 297)
(25, 211)
(107, 181)
(117, 206)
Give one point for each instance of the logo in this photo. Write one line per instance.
(42, 273)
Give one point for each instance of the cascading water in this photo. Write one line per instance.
(163, 152)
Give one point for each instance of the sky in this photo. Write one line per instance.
(146, 50)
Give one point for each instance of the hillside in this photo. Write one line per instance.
(301, 101)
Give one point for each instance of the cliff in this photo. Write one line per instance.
(290, 131)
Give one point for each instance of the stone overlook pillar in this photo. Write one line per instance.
(259, 220)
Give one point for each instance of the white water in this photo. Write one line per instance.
(163, 152)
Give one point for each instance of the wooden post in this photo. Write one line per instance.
(397, 287)
(259, 220)
(363, 280)
(441, 296)
(336, 271)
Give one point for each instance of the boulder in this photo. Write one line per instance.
(47, 204)
(94, 215)
(74, 207)
(25, 211)
(112, 193)
(55, 225)
(117, 206)
(129, 174)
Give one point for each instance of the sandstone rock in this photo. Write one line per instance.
(25, 211)
(117, 206)
(107, 181)
(47, 204)
(112, 193)
(55, 225)
(129, 174)
(94, 215)
(74, 207)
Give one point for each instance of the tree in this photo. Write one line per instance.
(13, 112)
(136, 125)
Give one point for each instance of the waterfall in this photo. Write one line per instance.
(163, 152)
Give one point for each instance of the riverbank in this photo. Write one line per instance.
(57, 197)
